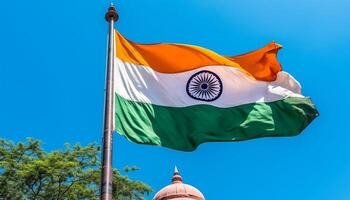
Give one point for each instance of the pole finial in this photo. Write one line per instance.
(112, 13)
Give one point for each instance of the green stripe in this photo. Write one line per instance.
(187, 127)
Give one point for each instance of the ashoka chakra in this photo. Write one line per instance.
(204, 86)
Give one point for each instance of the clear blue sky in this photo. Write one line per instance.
(52, 67)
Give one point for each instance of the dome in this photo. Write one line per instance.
(178, 190)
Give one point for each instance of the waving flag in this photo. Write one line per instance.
(179, 96)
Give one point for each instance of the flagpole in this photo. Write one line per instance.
(107, 173)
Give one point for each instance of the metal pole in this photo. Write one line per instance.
(107, 174)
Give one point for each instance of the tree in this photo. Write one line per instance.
(28, 172)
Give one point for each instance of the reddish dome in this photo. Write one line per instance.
(178, 190)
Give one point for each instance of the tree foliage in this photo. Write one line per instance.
(28, 172)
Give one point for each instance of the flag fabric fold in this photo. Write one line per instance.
(179, 96)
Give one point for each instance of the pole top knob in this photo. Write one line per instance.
(112, 13)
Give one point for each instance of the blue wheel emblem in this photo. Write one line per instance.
(204, 86)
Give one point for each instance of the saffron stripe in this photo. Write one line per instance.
(261, 64)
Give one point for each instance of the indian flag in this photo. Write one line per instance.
(179, 96)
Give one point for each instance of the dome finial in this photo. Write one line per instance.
(175, 170)
(176, 178)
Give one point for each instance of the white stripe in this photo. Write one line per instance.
(143, 84)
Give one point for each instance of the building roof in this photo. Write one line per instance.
(177, 190)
